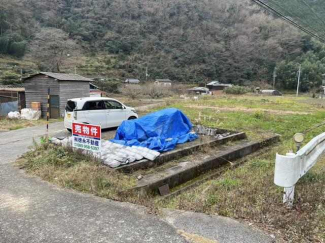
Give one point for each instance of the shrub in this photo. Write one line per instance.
(132, 91)
(156, 91)
(153, 91)
(10, 77)
(237, 90)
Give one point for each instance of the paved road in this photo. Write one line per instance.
(33, 211)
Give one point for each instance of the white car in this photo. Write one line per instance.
(105, 112)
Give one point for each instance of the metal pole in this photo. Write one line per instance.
(274, 76)
(299, 74)
(48, 111)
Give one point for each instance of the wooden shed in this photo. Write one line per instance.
(61, 86)
(217, 88)
(9, 93)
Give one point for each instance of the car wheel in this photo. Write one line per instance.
(132, 118)
(69, 130)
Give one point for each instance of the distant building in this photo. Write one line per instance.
(198, 90)
(163, 82)
(95, 91)
(271, 92)
(132, 81)
(62, 87)
(216, 87)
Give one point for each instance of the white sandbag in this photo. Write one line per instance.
(29, 114)
(132, 159)
(149, 156)
(14, 115)
(105, 152)
(56, 141)
(67, 142)
(112, 163)
(147, 153)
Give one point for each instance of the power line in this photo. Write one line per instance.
(293, 15)
(315, 13)
(266, 6)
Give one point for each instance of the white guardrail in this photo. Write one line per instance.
(291, 167)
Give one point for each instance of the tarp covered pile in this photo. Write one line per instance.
(160, 131)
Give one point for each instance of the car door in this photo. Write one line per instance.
(116, 114)
(95, 113)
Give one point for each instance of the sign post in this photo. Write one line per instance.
(87, 137)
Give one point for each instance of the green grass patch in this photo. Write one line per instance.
(280, 103)
(248, 192)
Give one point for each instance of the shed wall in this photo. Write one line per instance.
(70, 90)
(36, 90)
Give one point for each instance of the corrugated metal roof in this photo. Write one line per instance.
(216, 83)
(132, 80)
(16, 88)
(199, 89)
(64, 76)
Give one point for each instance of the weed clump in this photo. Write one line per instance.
(237, 90)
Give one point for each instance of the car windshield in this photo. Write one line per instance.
(70, 106)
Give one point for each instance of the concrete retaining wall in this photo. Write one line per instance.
(187, 171)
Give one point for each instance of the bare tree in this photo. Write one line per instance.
(50, 48)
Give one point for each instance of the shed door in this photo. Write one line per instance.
(54, 106)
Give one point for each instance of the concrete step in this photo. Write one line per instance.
(186, 171)
(183, 150)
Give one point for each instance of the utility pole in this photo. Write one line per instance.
(147, 73)
(274, 77)
(299, 74)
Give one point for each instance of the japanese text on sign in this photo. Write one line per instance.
(86, 136)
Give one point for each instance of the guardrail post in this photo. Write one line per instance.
(288, 196)
(291, 167)
(289, 192)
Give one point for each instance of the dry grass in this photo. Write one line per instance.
(73, 170)
(148, 90)
(248, 193)
(15, 124)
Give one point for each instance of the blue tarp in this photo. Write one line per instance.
(160, 131)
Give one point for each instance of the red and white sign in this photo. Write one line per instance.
(86, 130)
(86, 136)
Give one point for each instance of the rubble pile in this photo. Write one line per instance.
(206, 131)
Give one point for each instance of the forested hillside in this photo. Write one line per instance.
(185, 40)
